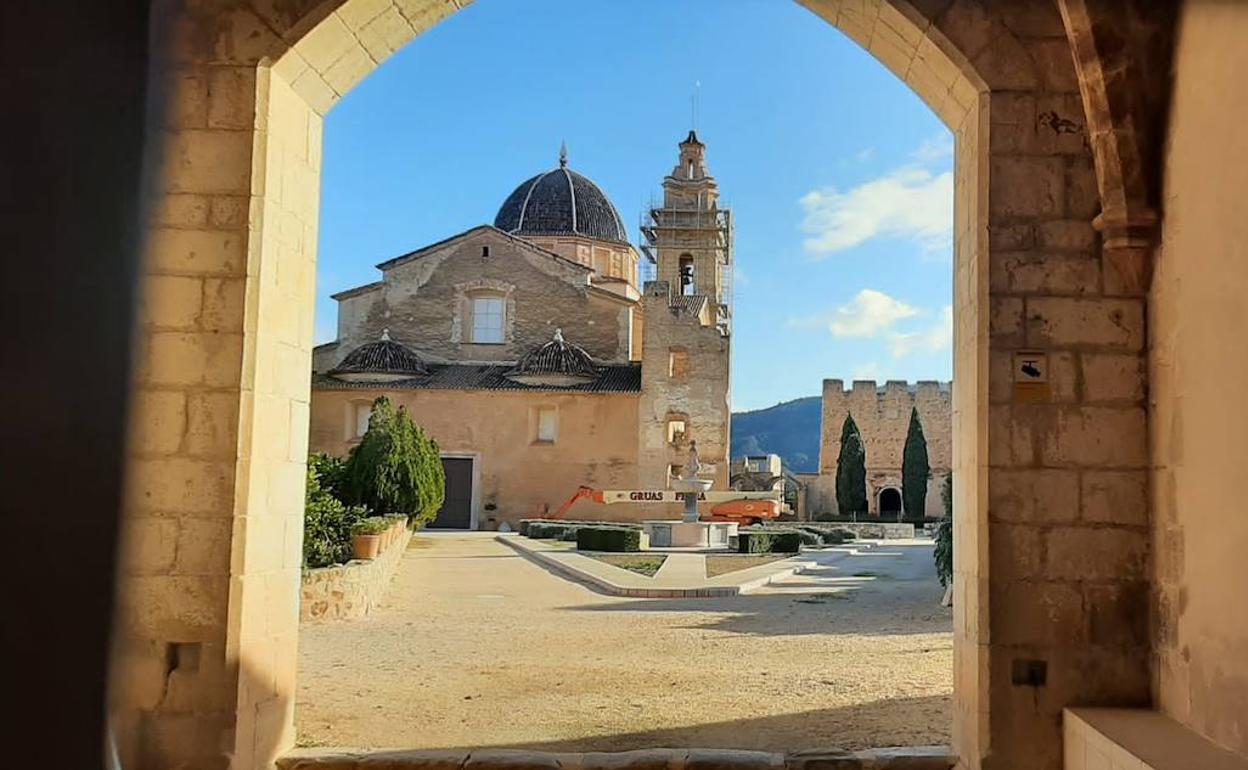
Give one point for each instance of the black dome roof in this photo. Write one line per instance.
(561, 202)
(385, 357)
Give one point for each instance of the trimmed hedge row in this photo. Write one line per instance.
(613, 539)
(768, 541)
(564, 529)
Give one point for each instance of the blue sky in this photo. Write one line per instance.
(839, 176)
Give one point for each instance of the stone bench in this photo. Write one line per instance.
(1137, 739)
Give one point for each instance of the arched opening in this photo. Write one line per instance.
(890, 503)
(236, 229)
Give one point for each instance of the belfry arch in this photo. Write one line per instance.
(205, 663)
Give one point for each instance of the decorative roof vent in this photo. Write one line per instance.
(557, 363)
(381, 361)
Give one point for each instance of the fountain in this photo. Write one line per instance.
(690, 532)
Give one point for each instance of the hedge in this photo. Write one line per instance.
(768, 541)
(614, 539)
(543, 526)
(547, 530)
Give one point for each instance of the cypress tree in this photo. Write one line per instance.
(396, 467)
(851, 471)
(915, 470)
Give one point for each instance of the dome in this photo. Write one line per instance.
(561, 202)
(381, 361)
(558, 362)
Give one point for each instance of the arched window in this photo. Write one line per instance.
(489, 316)
(686, 275)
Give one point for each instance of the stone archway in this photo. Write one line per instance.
(889, 505)
(206, 651)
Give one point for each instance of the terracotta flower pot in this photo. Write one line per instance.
(365, 546)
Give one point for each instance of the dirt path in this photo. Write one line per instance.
(476, 646)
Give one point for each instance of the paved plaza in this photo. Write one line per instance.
(476, 644)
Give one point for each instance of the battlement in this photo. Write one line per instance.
(834, 387)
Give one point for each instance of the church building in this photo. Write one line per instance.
(531, 351)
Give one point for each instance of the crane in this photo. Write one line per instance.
(740, 507)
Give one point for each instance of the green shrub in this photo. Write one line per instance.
(768, 541)
(547, 530)
(614, 539)
(943, 553)
(844, 534)
(327, 523)
(373, 525)
(809, 537)
(395, 467)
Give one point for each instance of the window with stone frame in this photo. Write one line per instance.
(677, 362)
(546, 425)
(358, 416)
(489, 319)
(677, 429)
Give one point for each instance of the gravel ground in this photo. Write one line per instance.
(475, 646)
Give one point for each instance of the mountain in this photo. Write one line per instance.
(790, 430)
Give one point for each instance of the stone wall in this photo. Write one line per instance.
(1198, 363)
(351, 590)
(698, 395)
(595, 445)
(424, 301)
(882, 415)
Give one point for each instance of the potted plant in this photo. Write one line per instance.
(366, 537)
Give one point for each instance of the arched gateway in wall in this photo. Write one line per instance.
(234, 227)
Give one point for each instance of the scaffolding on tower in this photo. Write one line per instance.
(695, 229)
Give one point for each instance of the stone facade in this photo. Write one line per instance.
(1056, 198)
(351, 590)
(882, 415)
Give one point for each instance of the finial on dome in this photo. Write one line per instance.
(563, 155)
(558, 335)
(385, 335)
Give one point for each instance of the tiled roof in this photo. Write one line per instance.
(612, 378)
(690, 303)
(556, 357)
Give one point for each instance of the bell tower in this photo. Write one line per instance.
(689, 237)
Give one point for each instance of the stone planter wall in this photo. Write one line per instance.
(349, 590)
(879, 530)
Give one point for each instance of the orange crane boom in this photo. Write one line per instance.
(740, 507)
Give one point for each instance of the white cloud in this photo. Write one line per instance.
(931, 339)
(913, 202)
(870, 313)
(873, 314)
(868, 371)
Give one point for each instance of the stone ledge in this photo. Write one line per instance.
(900, 758)
(1137, 739)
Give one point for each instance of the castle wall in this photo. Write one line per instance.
(425, 304)
(700, 394)
(883, 419)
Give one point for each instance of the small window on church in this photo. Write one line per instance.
(360, 414)
(487, 320)
(547, 424)
(485, 251)
(675, 431)
(678, 363)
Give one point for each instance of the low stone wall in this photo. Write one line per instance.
(349, 590)
(881, 530)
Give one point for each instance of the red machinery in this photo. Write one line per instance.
(741, 507)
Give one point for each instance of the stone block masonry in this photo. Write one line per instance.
(352, 590)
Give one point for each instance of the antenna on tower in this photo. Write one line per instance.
(693, 103)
